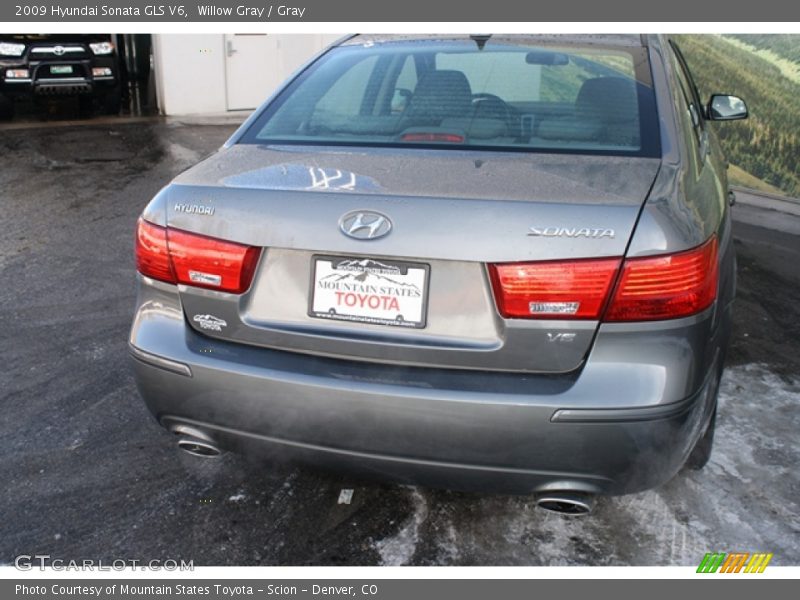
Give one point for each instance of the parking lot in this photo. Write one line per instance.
(88, 473)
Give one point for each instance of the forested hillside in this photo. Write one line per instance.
(784, 45)
(767, 145)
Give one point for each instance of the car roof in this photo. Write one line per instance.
(621, 40)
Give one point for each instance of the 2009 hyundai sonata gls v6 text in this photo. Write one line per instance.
(479, 262)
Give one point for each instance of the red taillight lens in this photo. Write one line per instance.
(177, 256)
(649, 288)
(575, 289)
(152, 256)
(666, 287)
(453, 138)
(211, 263)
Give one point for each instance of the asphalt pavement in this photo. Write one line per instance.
(88, 473)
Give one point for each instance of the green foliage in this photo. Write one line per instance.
(784, 45)
(767, 144)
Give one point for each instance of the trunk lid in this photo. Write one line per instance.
(451, 212)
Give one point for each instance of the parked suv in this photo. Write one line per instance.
(85, 65)
(498, 263)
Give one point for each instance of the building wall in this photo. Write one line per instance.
(190, 69)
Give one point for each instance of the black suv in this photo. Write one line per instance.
(46, 65)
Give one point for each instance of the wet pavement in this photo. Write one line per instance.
(88, 474)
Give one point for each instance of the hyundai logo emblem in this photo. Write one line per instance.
(58, 50)
(365, 225)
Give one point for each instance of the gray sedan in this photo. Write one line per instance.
(493, 263)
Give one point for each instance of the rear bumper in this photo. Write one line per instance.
(606, 429)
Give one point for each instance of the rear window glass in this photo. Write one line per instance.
(568, 98)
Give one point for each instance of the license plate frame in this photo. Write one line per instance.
(398, 280)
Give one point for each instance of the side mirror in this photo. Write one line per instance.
(722, 107)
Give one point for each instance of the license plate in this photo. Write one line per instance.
(364, 290)
(61, 69)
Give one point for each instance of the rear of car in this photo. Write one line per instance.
(83, 65)
(488, 263)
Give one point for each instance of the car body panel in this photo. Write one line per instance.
(408, 420)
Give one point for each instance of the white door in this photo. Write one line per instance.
(251, 68)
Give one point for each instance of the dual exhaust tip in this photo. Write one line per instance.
(199, 444)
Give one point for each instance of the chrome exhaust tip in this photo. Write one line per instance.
(567, 503)
(197, 447)
(195, 442)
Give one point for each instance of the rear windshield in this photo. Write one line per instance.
(462, 94)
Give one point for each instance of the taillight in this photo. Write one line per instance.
(152, 256)
(211, 263)
(666, 287)
(649, 288)
(177, 256)
(575, 289)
